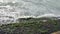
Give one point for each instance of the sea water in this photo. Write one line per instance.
(11, 10)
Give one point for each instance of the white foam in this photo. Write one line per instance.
(29, 8)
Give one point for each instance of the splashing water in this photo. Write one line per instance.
(10, 10)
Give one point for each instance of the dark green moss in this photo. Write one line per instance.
(32, 26)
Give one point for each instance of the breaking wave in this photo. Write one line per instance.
(10, 10)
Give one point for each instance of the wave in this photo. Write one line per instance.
(10, 10)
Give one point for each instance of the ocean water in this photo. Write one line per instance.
(11, 10)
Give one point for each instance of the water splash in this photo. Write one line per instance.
(14, 9)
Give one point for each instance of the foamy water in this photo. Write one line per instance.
(10, 10)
